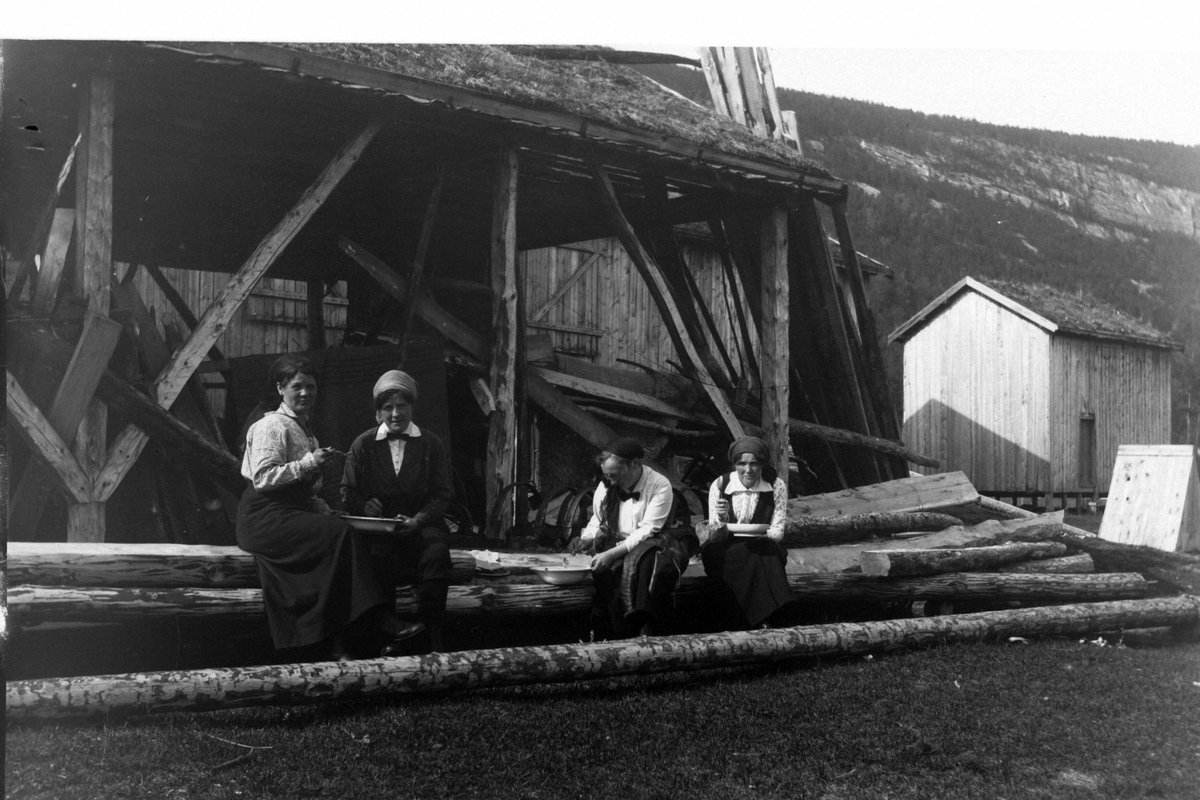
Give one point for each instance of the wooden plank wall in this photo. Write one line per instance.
(976, 395)
(273, 320)
(608, 313)
(1126, 387)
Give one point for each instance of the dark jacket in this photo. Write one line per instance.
(422, 490)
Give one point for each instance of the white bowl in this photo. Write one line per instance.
(747, 528)
(562, 576)
(372, 524)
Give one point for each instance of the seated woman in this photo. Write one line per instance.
(398, 470)
(319, 586)
(750, 571)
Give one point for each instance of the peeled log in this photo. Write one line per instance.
(99, 697)
(153, 566)
(1066, 565)
(897, 563)
(801, 531)
(30, 606)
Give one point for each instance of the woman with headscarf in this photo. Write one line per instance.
(319, 587)
(399, 470)
(748, 568)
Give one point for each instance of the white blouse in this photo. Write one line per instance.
(744, 501)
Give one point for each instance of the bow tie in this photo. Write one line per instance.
(398, 435)
(624, 495)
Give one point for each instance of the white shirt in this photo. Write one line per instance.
(397, 445)
(743, 501)
(637, 519)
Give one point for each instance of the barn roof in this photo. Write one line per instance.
(1051, 309)
(214, 141)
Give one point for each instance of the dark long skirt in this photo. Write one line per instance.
(316, 571)
(421, 559)
(751, 575)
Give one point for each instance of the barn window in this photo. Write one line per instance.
(1087, 451)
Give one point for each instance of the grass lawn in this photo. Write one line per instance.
(1052, 719)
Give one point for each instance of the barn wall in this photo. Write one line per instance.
(975, 395)
(1126, 388)
(608, 313)
(274, 319)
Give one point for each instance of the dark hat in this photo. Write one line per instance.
(625, 447)
(749, 444)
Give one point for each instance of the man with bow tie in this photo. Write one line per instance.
(630, 508)
(397, 470)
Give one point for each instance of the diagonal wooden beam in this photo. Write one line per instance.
(129, 444)
(565, 287)
(418, 267)
(65, 473)
(54, 262)
(210, 327)
(175, 299)
(96, 344)
(660, 291)
(34, 244)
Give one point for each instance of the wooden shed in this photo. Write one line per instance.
(1030, 390)
(424, 179)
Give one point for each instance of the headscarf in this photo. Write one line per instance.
(752, 445)
(395, 381)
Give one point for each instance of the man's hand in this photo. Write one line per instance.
(580, 545)
(373, 508)
(602, 562)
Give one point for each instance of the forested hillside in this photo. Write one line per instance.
(937, 198)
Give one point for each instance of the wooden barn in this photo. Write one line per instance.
(512, 226)
(1030, 390)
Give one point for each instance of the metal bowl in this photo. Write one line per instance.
(747, 528)
(562, 576)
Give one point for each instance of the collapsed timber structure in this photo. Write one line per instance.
(406, 171)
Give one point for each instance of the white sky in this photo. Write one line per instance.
(1128, 69)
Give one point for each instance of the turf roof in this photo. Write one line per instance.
(1079, 313)
(609, 93)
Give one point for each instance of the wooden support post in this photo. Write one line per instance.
(93, 260)
(96, 343)
(507, 353)
(417, 282)
(102, 697)
(776, 302)
(171, 381)
(53, 262)
(660, 291)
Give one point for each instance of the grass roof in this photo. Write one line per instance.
(597, 90)
(1079, 313)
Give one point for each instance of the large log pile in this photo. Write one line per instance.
(1022, 560)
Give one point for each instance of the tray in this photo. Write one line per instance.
(371, 524)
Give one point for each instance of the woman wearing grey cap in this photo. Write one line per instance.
(320, 588)
(399, 470)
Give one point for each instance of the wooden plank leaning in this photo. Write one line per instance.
(660, 291)
(171, 381)
(45, 219)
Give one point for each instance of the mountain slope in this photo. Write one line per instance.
(937, 198)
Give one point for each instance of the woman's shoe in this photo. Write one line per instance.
(398, 646)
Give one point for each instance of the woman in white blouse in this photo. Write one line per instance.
(748, 567)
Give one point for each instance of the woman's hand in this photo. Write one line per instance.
(323, 454)
(723, 509)
(373, 508)
(407, 524)
(602, 562)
